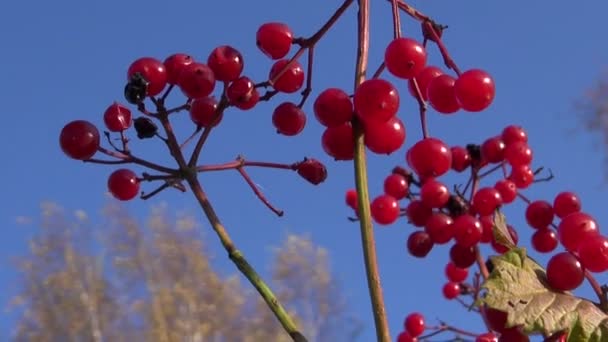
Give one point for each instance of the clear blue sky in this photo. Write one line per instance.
(67, 59)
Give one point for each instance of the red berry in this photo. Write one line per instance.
(274, 39)
(226, 63)
(384, 137)
(474, 90)
(513, 334)
(499, 247)
(289, 119)
(593, 253)
(487, 227)
(414, 324)
(434, 194)
(439, 226)
(497, 320)
(338, 142)
(351, 199)
(203, 112)
(539, 214)
(406, 337)
(376, 99)
(79, 139)
(467, 230)
(575, 228)
(463, 256)
(313, 171)
(286, 77)
(385, 209)
(396, 185)
(418, 213)
(333, 107)
(242, 93)
(566, 203)
(544, 240)
(487, 337)
(455, 273)
(405, 57)
(424, 77)
(152, 71)
(174, 65)
(518, 153)
(196, 80)
(461, 159)
(493, 150)
(123, 184)
(419, 244)
(513, 133)
(442, 95)
(486, 201)
(522, 176)
(507, 190)
(117, 117)
(430, 157)
(565, 272)
(451, 290)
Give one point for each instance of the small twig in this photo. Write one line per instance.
(411, 11)
(149, 178)
(145, 196)
(258, 193)
(443, 327)
(308, 89)
(396, 19)
(481, 263)
(421, 108)
(132, 159)
(523, 197)
(185, 106)
(379, 71)
(241, 162)
(141, 107)
(191, 137)
(125, 142)
(490, 171)
(107, 162)
(447, 59)
(544, 179)
(109, 139)
(164, 96)
(600, 291)
(203, 138)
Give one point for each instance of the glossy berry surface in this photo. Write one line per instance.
(455, 273)
(434, 193)
(544, 240)
(123, 184)
(196, 80)
(507, 190)
(152, 71)
(376, 99)
(174, 65)
(475, 90)
(566, 203)
(396, 185)
(430, 157)
(461, 159)
(405, 57)
(514, 133)
(117, 117)
(486, 201)
(467, 231)
(418, 213)
(451, 290)
(286, 78)
(439, 226)
(575, 228)
(203, 112)
(493, 150)
(522, 176)
(274, 39)
(404, 336)
(384, 137)
(351, 198)
(462, 256)
(593, 253)
(338, 142)
(442, 95)
(419, 244)
(539, 214)
(487, 337)
(424, 77)
(79, 139)
(565, 272)
(385, 209)
(333, 107)
(288, 119)
(226, 63)
(414, 324)
(313, 171)
(518, 153)
(242, 93)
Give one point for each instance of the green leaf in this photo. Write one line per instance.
(517, 285)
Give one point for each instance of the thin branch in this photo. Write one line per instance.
(600, 291)
(445, 328)
(258, 193)
(447, 59)
(379, 71)
(396, 19)
(421, 108)
(191, 137)
(132, 159)
(411, 11)
(308, 89)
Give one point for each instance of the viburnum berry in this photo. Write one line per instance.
(518, 153)
(539, 214)
(286, 77)
(153, 71)
(226, 63)
(462, 256)
(513, 334)
(136, 89)
(493, 150)
(467, 230)
(486, 201)
(376, 99)
(497, 320)
(565, 272)
(351, 199)
(274, 39)
(507, 190)
(487, 228)
(593, 253)
(333, 107)
(419, 244)
(174, 65)
(338, 142)
(418, 213)
(288, 119)
(544, 240)
(439, 226)
(196, 80)
(405, 57)
(312, 170)
(487, 337)
(513, 133)
(434, 194)
(575, 228)
(242, 93)
(423, 79)
(560, 336)
(384, 137)
(451, 290)
(475, 90)
(430, 157)
(396, 185)
(414, 324)
(455, 273)
(385, 209)
(442, 95)
(203, 112)
(461, 159)
(404, 336)
(123, 184)
(501, 248)
(79, 139)
(145, 128)
(522, 176)
(566, 203)
(117, 117)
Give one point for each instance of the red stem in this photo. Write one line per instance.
(258, 193)
(447, 59)
(396, 19)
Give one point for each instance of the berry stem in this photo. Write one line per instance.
(129, 158)
(191, 137)
(490, 171)
(421, 108)
(203, 138)
(443, 327)
(365, 223)
(600, 291)
(257, 192)
(306, 92)
(379, 71)
(411, 11)
(447, 59)
(240, 162)
(396, 20)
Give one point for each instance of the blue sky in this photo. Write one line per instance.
(67, 59)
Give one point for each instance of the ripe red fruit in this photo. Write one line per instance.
(351, 199)
(439, 226)
(396, 185)
(79, 139)
(430, 157)
(313, 171)
(441, 94)
(338, 142)
(419, 244)
(418, 213)
(152, 71)
(507, 190)
(499, 247)
(117, 117)
(405, 57)
(593, 253)
(487, 337)
(493, 150)
(497, 320)
(522, 176)
(289, 119)
(424, 77)
(242, 93)
(174, 65)
(434, 194)
(475, 90)
(461, 159)
(384, 137)
(544, 240)
(385, 209)
(455, 273)
(539, 214)
(376, 99)
(514, 133)
(286, 77)
(203, 112)
(513, 334)
(565, 272)
(226, 63)
(404, 336)
(487, 226)
(462, 256)
(467, 230)
(414, 324)
(451, 290)
(575, 228)
(486, 200)
(123, 184)
(566, 203)
(333, 107)
(274, 39)
(196, 80)
(518, 153)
